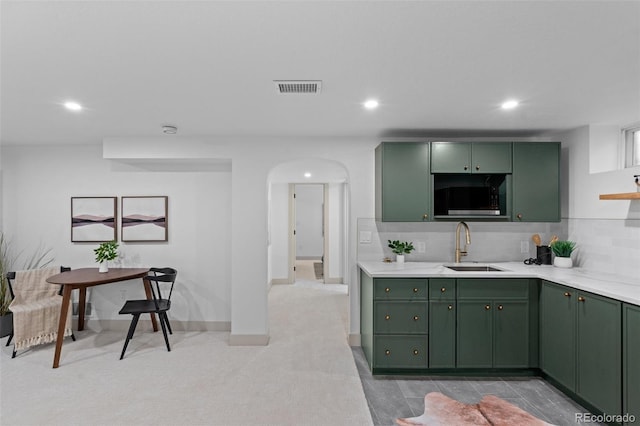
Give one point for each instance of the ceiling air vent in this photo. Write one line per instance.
(305, 87)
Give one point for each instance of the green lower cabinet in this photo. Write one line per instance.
(442, 334)
(400, 318)
(475, 334)
(557, 333)
(511, 344)
(400, 352)
(599, 348)
(631, 360)
(581, 344)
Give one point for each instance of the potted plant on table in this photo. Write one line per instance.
(562, 251)
(400, 248)
(105, 252)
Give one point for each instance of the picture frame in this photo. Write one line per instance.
(144, 218)
(94, 219)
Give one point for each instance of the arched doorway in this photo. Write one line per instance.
(281, 221)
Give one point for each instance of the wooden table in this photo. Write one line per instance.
(88, 277)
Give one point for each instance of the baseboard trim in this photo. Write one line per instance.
(355, 339)
(248, 340)
(337, 280)
(123, 325)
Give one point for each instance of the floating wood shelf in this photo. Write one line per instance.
(621, 196)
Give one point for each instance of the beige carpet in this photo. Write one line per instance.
(305, 376)
(440, 410)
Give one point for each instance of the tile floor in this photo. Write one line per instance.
(392, 397)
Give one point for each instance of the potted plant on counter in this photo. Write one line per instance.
(562, 251)
(105, 252)
(400, 248)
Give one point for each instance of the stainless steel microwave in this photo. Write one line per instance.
(467, 201)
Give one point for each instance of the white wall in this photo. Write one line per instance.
(39, 182)
(309, 202)
(279, 232)
(232, 206)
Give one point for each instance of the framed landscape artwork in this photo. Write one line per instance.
(144, 219)
(93, 219)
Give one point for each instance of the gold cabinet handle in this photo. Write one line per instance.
(450, 307)
(500, 307)
(477, 167)
(415, 352)
(487, 307)
(466, 167)
(415, 290)
(416, 318)
(443, 289)
(425, 216)
(387, 290)
(387, 317)
(581, 299)
(519, 216)
(567, 294)
(387, 352)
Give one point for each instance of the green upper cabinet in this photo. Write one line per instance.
(402, 182)
(536, 182)
(468, 157)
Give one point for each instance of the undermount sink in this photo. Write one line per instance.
(472, 268)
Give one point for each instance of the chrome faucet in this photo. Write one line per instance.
(460, 253)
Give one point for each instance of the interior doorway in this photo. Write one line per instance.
(308, 223)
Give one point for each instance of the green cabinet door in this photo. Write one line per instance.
(474, 339)
(491, 157)
(442, 334)
(631, 360)
(471, 157)
(599, 347)
(557, 333)
(510, 334)
(402, 182)
(536, 182)
(450, 157)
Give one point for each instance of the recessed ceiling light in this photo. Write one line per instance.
(371, 104)
(307, 175)
(73, 106)
(169, 130)
(509, 104)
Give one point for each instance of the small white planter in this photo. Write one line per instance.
(103, 267)
(400, 259)
(563, 262)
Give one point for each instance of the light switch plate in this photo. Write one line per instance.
(421, 246)
(365, 237)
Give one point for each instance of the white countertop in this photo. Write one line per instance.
(625, 289)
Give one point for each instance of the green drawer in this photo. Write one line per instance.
(502, 288)
(400, 317)
(400, 351)
(400, 288)
(442, 289)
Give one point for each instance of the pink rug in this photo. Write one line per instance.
(440, 410)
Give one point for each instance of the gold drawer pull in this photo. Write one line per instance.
(450, 307)
(500, 307)
(581, 299)
(443, 289)
(415, 290)
(416, 318)
(567, 294)
(387, 290)
(415, 352)
(425, 216)
(387, 317)
(487, 307)
(477, 167)
(387, 352)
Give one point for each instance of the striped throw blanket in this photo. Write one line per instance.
(36, 308)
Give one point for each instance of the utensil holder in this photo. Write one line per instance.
(544, 254)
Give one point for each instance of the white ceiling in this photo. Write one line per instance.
(208, 67)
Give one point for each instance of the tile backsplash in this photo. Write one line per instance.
(603, 245)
